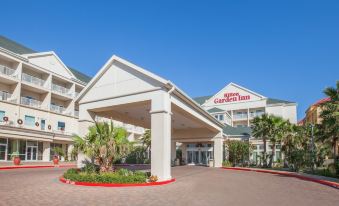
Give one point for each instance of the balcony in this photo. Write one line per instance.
(7, 71)
(57, 109)
(32, 80)
(61, 90)
(240, 116)
(5, 96)
(30, 102)
(256, 114)
(76, 113)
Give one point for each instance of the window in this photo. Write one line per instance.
(2, 114)
(221, 117)
(61, 126)
(29, 121)
(42, 124)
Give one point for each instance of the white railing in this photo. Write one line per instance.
(76, 94)
(57, 109)
(4, 96)
(240, 116)
(256, 114)
(30, 102)
(61, 89)
(7, 71)
(76, 113)
(33, 80)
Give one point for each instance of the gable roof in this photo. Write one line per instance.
(215, 110)
(278, 101)
(237, 131)
(18, 48)
(14, 46)
(202, 100)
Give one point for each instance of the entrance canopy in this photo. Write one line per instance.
(127, 93)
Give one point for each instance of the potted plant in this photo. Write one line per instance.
(16, 158)
(58, 154)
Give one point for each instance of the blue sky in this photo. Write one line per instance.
(280, 49)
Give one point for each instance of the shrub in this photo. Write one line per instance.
(121, 176)
(90, 168)
(227, 163)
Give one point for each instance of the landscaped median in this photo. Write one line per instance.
(288, 174)
(119, 178)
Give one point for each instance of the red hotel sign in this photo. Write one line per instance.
(231, 97)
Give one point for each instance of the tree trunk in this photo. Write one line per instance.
(273, 154)
(264, 155)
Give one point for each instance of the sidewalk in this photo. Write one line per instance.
(329, 181)
(10, 165)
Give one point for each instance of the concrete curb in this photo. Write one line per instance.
(35, 167)
(287, 174)
(91, 184)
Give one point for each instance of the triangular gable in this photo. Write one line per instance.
(51, 62)
(119, 77)
(233, 93)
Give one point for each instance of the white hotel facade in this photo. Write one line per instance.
(37, 100)
(43, 102)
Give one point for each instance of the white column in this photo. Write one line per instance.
(173, 151)
(218, 150)
(69, 152)
(86, 119)
(46, 146)
(63, 147)
(161, 136)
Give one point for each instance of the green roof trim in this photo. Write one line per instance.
(202, 100)
(17, 48)
(14, 46)
(278, 101)
(237, 131)
(80, 76)
(215, 110)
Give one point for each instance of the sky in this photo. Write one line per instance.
(281, 49)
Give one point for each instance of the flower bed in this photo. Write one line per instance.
(120, 176)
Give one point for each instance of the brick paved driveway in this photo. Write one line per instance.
(194, 186)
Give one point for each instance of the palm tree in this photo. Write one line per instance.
(277, 129)
(330, 119)
(261, 130)
(104, 144)
(146, 141)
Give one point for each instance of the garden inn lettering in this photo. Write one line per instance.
(231, 97)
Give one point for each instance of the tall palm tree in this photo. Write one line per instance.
(261, 130)
(330, 119)
(277, 130)
(146, 141)
(104, 144)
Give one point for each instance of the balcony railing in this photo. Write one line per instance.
(240, 116)
(7, 71)
(30, 102)
(4, 96)
(76, 94)
(33, 80)
(76, 113)
(61, 89)
(256, 114)
(57, 109)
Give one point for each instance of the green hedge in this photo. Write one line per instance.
(109, 177)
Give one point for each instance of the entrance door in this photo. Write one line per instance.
(32, 153)
(203, 157)
(3, 149)
(189, 157)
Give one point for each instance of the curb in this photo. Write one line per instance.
(35, 167)
(287, 174)
(92, 184)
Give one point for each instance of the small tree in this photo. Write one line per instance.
(104, 144)
(238, 151)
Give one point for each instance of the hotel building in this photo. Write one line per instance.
(44, 102)
(38, 111)
(235, 106)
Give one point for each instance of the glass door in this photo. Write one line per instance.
(3, 149)
(189, 157)
(32, 153)
(203, 157)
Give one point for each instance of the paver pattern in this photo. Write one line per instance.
(194, 186)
